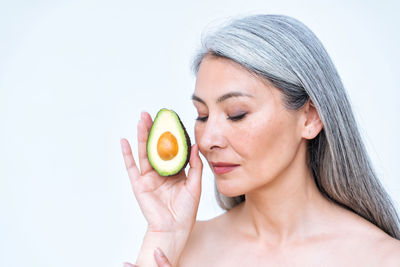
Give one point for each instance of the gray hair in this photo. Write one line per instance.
(285, 52)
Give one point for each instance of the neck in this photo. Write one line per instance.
(287, 208)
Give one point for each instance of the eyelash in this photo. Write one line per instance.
(202, 119)
(235, 118)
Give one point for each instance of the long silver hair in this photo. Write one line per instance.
(287, 53)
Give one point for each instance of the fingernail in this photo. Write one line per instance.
(159, 252)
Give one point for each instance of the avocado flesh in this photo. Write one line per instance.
(165, 121)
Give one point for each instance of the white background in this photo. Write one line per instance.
(74, 76)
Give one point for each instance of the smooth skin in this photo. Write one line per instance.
(285, 220)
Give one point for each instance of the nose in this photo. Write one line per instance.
(212, 135)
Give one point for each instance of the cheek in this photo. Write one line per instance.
(270, 144)
(198, 133)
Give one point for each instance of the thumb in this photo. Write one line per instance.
(193, 180)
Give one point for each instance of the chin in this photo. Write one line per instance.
(229, 188)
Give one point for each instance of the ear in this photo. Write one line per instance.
(311, 123)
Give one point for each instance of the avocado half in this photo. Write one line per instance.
(168, 144)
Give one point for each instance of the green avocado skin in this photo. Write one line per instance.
(187, 141)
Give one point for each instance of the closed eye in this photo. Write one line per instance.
(202, 118)
(232, 118)
(237, 118)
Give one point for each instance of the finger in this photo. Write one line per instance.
(195, 171)
(130, 164)
(144, 163)
(146, 118)
(161, 259)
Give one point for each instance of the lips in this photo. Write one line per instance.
(223, 167)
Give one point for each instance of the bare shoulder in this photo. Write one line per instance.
(203, 242)
(208, 229)
(389, 248)
(374, 245)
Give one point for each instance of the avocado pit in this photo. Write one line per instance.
(167, 146)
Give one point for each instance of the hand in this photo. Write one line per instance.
(160, 258)
(169, 204)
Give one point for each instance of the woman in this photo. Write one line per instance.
(275, 125)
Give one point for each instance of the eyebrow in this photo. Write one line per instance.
(221, 98)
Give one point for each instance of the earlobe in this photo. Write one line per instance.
(312, 123)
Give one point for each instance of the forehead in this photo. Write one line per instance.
(217, 76)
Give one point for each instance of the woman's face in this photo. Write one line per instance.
(242, 121)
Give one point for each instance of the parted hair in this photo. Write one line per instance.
(285, 52)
